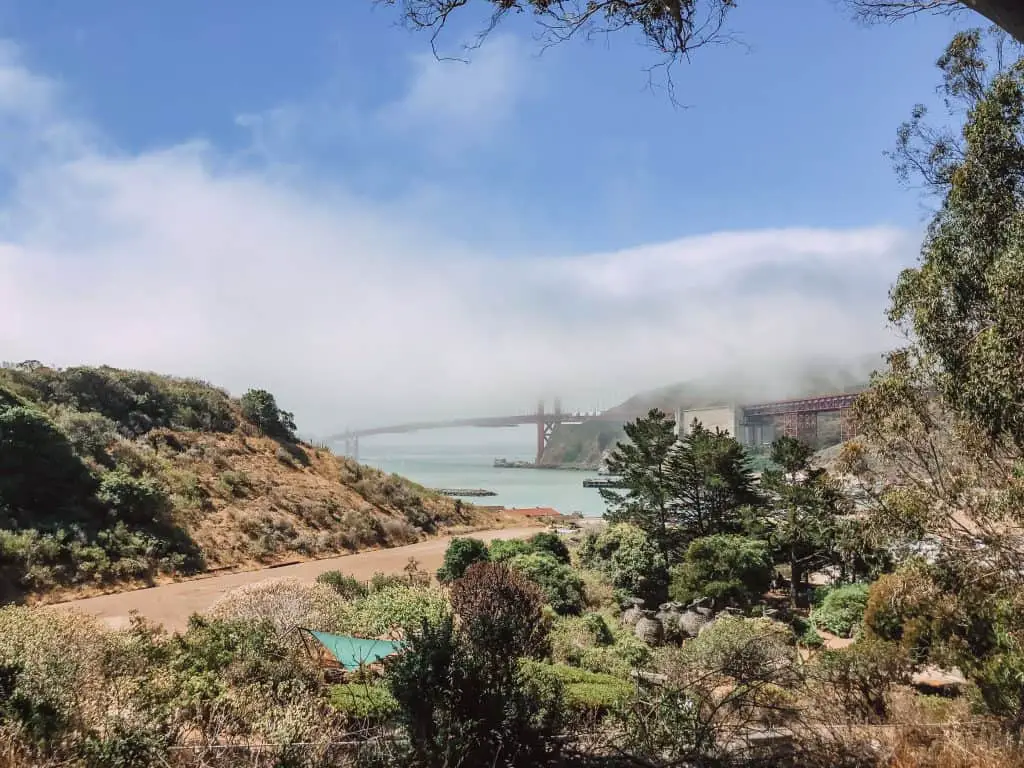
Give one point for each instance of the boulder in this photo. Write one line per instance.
(690, 623)
(631, 616)
(649, 629)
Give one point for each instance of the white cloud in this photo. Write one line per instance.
(355, 313)
(454, 101)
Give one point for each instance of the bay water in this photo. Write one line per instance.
(465, 459)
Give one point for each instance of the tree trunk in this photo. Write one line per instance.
(796, 578)
(1006, 14)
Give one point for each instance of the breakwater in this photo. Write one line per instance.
(475, 492)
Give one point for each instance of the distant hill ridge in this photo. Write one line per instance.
(110, 476)
(583, 444)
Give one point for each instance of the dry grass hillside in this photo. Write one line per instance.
(246, 500)
(110, 478)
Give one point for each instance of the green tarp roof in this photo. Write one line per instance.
(352, 652)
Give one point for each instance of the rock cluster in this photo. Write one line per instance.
(672, 620)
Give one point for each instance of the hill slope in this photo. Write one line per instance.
(110, 476)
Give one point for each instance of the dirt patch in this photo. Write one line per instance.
(172, 604)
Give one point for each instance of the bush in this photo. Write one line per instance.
(585, 693)
(572, 636)
(501, 612)
(260, 409)
(730, 569)
(842, 609)
(461, 554)
(455, 708)
(364, 702)
(90, 433)
(562, 586)
(906, 607)
(397, 607)
(630, 561)
(138, 502)
(347, 587)
(285, 603)
(42, 481)
(860, 677)
(550, 543)
(745, 650)
(503, 550)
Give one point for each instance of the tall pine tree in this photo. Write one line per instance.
(709, 483)
(644, 500)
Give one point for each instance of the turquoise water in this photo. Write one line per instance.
(466, 460)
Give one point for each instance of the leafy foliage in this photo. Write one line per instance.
(627, 558)
(461, 553)
(260, 408)
(457, 706)
(730, 569)
(548, 542)
(502, 612)
(561, 585)
(710, 482)
(842, 609)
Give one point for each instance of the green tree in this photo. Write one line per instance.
(41, 479)
(709, 481)
(625, 555)
(732, 570)
(804, 512)
(461, 553)
(640, 463)
(562, 586)
(550, 543)
(260, 408)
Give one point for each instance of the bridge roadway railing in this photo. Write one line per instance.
(821, 404)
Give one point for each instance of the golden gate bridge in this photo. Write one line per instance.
(797, 418)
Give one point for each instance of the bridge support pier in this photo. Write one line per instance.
(352, 447)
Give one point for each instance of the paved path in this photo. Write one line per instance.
(172, 604)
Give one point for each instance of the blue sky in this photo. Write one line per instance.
(444, 236)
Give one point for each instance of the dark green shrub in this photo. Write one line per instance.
(625, 555)
(552, 544)
(461, 554)
(364, 702)
(562, 586)
(503, 550)
(502, 613)
(457, 707)
(349, 587)
(260, 409)
(730, 569)
(42, 481)
(842, 609)
(138, 502)
(584, 693)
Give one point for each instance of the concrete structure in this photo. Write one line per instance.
(727, 418)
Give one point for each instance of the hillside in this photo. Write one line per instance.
(584, 443)
(109, 477)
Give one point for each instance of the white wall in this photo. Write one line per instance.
(722, 417)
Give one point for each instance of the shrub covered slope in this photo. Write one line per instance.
(110, 476)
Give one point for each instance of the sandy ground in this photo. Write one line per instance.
(172, 604)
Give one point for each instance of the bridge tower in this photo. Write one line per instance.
(352, 447)
(546, 426)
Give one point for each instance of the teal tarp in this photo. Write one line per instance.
(352, 652)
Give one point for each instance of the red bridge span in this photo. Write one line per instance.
(797, 418)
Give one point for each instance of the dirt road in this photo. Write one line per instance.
(172, 604)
